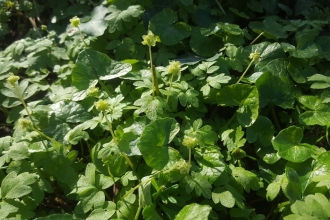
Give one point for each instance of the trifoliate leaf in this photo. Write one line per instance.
(199, 184)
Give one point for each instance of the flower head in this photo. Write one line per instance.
(12, 79)
(75, 21)
(174, 68)
(102, 105)
(93, 91)
(254, 56)
(25, 123)
(44, 27)
(189, 142)
(150, 39)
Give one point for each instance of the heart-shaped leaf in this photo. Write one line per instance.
(288, 145)
(154, 141)
(244, 96)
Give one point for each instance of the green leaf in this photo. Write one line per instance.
(276, 90)
(216, 80)
(224, 197)
(211, 162)
(246, 179)
(293, 188)
(113, 158)
(320, 81)
(262, 129)
(199, 184)
(121, 15)
(288, 145)
(152, 106)
(194, 211)
(154, 141)
(15, 186)
(204, 135)
(57, 217)
(244, 96)
(233, 138)
(203, 45)
(127, 207)
(164, 24)
(92, 66)
(70, 112)
(96, 25)
(313, 207)
(270, 26)
(272, 190)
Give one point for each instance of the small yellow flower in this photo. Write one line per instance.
(102, 105)
(189, 142)
(150, 39)
(92, 91)
(254, 56)
(75, 21)
(25, 123)
(44, 27)
(12, 79)
(174, 68)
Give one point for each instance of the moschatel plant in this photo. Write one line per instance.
(174, 109)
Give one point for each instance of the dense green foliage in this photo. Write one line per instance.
(176, 109)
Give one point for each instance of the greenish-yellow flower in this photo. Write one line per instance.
(93, 91)
(102, 105)
(254, 56)
(25, 123)
(174, 67)
(189, 142)
(75, 21)
(12, 79)
(150, 39)
(44, 27)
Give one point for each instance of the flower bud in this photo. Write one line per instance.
(254, 56)
(75, 21)
(102, 105)
(189, 142)
(44, 27)
(92, 91)
(12, 79)
(174, 67)
(150, 39)
(25, 123)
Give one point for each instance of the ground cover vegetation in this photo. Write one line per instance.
(176, 109)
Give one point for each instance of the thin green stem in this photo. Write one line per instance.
(152, 74)
(128, 160)
(277, 124)
(110, 128)
(136, 217)
(156, 81)
(250, 157)
(82, 38)
(255, 39)
(220, 7)
(103, 86)
(169, 90)
(109, 171)
(189, 157)
(23, 102)
(45, 136)
(107, 195)
(247, 68)
(230, 120)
